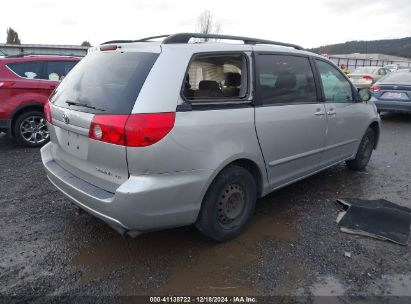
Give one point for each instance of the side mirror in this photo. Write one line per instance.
(364, 94)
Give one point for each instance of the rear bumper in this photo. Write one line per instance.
(393, 106)
(362, 85)
(142, 203)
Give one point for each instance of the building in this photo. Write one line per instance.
(350, 62)
(42, 49)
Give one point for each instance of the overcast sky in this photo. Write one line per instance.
(307, 23)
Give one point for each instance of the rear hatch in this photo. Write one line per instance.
(103, 87)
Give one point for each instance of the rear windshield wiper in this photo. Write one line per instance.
(78, 104)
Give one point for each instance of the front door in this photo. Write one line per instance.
(290, 120)
(346, 118)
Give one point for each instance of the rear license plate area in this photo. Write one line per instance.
(73, 143)
(395, 95)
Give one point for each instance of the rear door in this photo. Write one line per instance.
(103, 84)
(346, 118)
(289, 118)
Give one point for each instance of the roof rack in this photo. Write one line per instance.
(39, 55)
(185, 38)
(138, 40)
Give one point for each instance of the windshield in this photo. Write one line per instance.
(105, 82)
(397, 77)
(364, 70)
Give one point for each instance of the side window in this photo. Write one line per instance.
(57, 70)
(29, 69)
(336, 87)
(220, 77)
(285, 79)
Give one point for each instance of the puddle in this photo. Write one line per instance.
(327, 286)
(396, 285)
(184, 261)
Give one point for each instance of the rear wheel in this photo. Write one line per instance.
(30, 129)
(364, 151)
(228, 204)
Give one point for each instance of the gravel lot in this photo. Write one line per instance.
(292, 246)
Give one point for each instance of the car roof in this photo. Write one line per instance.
(184, 41)
(25, 58)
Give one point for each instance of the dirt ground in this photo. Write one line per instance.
(292, 247)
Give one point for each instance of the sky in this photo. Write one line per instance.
(307, 23)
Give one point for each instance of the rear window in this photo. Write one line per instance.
(57, 70)
(27, 69)
(105, 82)
(398, 77)
(219, 77)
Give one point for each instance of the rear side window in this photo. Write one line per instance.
(285, 79)
(220, 76)
(105, 82)
(28, 69)
(57, 70)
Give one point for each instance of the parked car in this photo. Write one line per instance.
(365, 77)
(394, 67)
(149, 135)
(26, 82)
(393, 92)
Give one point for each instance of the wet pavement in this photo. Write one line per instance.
(292, 246)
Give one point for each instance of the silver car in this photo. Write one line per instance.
(152, 135)
(365, 77)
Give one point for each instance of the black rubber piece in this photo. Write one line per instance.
(207, 221)
(364, 152)
(377, 218)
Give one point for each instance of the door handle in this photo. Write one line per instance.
(319, 113)
(331, 113)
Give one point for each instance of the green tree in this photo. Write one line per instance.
(85, 43)
(12, 37)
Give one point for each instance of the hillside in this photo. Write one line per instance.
(396, 47)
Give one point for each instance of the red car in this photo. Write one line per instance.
(26, 82)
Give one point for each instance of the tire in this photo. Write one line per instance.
(228, 204)
(30, 129)
(364, 152)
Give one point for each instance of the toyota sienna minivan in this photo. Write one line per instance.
(149, 135)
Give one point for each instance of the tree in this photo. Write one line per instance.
(207, 25)
(85, 43)
(12, 37)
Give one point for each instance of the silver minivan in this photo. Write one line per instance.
(149, 135)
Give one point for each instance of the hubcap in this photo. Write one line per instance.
(231, 204)
(34, 129)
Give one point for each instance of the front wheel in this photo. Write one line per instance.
(364, 152)
(228, 204)
(30, 129)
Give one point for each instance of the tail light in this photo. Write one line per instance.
(375, 89)
(368, 78)
(47, 112)
(6, 84)
(135, 130)
(108, 47)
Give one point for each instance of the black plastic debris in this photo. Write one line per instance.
(379, 219)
